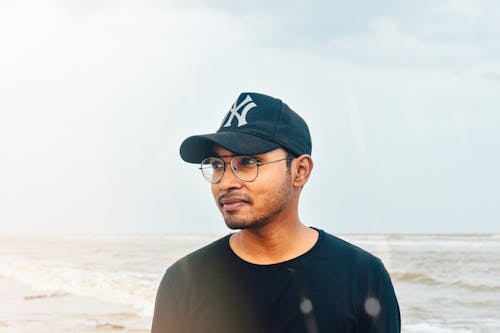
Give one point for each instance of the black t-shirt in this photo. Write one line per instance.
(334, 287)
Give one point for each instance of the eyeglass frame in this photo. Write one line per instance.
(235, 173)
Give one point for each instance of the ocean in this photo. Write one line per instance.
(103, 283)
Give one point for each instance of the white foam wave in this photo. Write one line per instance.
(452, 242)
(123, 269)
(453, 326)
(129, 288)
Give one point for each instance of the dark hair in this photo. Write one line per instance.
(291, 156)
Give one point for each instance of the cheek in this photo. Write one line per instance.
(265, 191)
(270, 182)
(215, 191)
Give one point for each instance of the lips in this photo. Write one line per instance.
(232, 203)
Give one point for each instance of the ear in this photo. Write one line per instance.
(302, 167)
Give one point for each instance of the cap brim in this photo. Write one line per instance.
(195, 148)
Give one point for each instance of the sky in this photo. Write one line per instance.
(402, 99)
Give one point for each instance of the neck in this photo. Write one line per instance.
(273, 243)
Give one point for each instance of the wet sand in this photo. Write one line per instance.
(23, 309)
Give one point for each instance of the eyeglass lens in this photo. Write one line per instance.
(244, 167)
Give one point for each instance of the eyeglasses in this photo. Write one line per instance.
(245, 168)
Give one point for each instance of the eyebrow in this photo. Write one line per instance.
(214, 154)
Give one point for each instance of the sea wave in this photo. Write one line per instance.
(476, 287)
(417, 277)
(46, 295)
(458, 274)
(431, 241)
(55, 280)
(425, 279)
(458, 325)
(94, 324)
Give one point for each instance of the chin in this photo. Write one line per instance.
(235, 225)
(238, 223)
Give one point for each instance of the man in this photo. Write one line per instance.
(275, 274)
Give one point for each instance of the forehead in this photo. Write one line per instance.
(220, 151)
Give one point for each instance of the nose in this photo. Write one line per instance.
(229, 179)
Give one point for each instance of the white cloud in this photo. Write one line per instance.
(385, 44)
(491, 75)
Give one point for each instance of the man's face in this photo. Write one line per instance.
(252, 204)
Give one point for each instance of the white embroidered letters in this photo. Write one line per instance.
(248, 104)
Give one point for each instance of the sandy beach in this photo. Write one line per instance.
(23, 309)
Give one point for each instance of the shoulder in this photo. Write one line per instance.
(342, 252)
(366, 272)
(176, 287)
(200, 261)
(333, 245)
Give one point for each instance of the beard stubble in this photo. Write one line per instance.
(275, 201)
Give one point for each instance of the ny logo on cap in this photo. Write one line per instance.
(247, 105)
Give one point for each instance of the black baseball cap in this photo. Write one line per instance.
(255, 124)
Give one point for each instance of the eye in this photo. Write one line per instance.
(247, 161)
(217, 164)
(212, 163)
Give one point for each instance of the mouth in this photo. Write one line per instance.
(232, 204)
